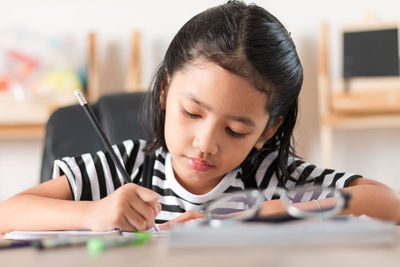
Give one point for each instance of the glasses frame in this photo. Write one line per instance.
(252, 212)
(323, 213)
(292, 213)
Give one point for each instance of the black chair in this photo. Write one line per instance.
(70, 133)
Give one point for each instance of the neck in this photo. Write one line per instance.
(196, 187)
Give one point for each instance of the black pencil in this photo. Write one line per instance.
(102, 135)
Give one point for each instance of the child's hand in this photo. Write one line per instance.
(131, 207)
(187, 216)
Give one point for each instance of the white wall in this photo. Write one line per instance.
(373, 153)
(19, 166)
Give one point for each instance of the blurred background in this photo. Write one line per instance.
(49, 48)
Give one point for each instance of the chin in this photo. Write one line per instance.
(197, 176)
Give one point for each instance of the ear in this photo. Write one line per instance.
(163, 91)
(268, 133)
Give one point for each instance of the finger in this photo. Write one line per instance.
(151, 198)
(188, 215)
(147, 213)
(147, 195)
(144, 210)
(165, 226)
(125, 225)
(137, 197)
(157, 208)
(136, 220)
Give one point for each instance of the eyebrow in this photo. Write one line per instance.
(241, 119)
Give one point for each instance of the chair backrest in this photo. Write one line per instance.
(69, 132)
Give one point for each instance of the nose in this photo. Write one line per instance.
(205, 140)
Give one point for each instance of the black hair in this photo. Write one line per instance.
(250, 42)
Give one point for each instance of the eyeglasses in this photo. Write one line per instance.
(300, 202)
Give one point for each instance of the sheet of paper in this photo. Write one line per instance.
(36, 235)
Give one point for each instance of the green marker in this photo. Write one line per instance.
(96, 245)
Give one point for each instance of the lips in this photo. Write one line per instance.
(198, 164)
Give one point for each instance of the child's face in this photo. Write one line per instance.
(213, 119)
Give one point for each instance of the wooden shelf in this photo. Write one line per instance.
(22, 132)
(368, 103)
(26, 119)
(354, 121)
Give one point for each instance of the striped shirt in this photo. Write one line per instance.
(94, 176)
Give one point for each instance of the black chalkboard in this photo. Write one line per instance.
(371, 53)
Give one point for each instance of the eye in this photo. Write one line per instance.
(191, 115)
(235, 134)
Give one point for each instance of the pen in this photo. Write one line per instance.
(5, 244)
(102, 135)
(48, 243)
(96, 245)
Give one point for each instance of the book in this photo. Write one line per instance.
(344, 231)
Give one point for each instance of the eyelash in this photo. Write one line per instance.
(235, 134)
(191, 115)
(229, 130)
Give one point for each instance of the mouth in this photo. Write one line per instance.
(198, 164)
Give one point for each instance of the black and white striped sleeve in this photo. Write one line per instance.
(93, 176)
(300, 173)
(305, 173)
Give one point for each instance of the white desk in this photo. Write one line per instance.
(157, 253)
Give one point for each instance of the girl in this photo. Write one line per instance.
(223, 107)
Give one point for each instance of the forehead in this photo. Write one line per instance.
(218, 88)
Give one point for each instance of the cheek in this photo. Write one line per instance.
(176, 129)
(235, 154)
(173, 121)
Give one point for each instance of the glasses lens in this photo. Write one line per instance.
(320, 202)
(239, 205)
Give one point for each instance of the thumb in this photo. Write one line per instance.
(150, 197)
